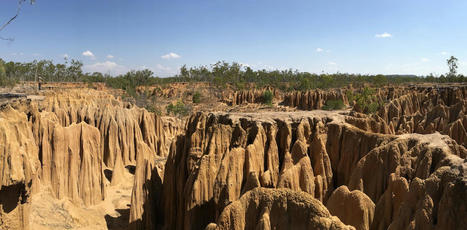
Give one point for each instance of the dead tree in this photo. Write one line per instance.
(18, 11)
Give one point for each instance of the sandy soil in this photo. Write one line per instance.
(50, 213)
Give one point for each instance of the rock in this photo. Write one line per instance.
(426, 110)
(145, 211)
(389, 204)
(223, 156)
(76, 164)
(352, 207)
(250, 96)
(18, 169)
(264, 208)
(313, 99)
(347, 146)
(408, 156)
(65, 142)
(402, 168)
(119, 125)
(437, 202)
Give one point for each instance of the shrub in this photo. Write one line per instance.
(304, 84)
(4, 81)
(367, 102)
(178, 109)
(373, 107)
(196, 97)
(267, 97)
(350, 96)
(333, 105)
(240, 85)
(153, 109)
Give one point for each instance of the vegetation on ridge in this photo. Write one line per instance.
(267, 97)
(220, 74)
(333, 105)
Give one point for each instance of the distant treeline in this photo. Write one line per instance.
(219, 74)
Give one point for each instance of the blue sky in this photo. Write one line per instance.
(113, 36)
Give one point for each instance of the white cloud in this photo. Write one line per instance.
(106, 67)
(383, 35)
(444, 53)
(319, 50)
(170, 56)
(425, 60)
(88, 53)
(332, 63)
(110, 56)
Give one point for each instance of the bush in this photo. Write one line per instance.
(178, 109)
(196, 97)
(4, 81)
(367, 102)
(350, 96)
(7, 83)
(373, 107)
(153, 109)
(267, 97)
(333, 105)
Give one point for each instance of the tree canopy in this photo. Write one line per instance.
(220, 74)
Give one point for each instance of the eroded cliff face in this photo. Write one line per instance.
(263, 208)
(352, 207)
(66, 142)
(403, 168)
(73, 164)
(416, 109)
(18, 169)
(429, 110)
(251, 96)
(223, 156)
(314, 99)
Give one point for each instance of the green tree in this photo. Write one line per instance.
(267, 97)
(4, 81)
(380, 80)
(142, 77)
(304, 84)
(74, 71)
(184, 72)
(2, 70)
